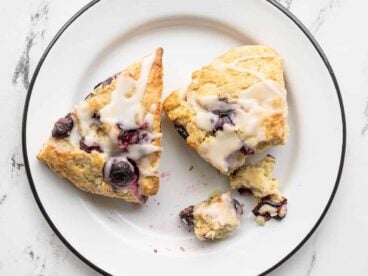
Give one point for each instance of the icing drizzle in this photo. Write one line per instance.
(252, 106)
(125, 111)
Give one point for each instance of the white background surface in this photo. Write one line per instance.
(27, 244)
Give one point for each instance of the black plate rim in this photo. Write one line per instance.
(281, 8)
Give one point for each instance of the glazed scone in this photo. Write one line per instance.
(257, 180)
(234, 107)
(213, 219)
(110, 143)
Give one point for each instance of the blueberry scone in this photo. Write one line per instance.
(110, 143)
(213, 219)
(257, 180)
(234, 107)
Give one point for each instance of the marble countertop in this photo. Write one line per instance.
(27, 244)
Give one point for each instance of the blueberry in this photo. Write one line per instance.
(63, 127)
(187, 216)
(238, 207)
(224, 117)
(88, 149)
(181, 130)
(121, 172)
(131, 137)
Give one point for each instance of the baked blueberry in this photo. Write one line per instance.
(181, 130)
(63, 127)
(224, 117)
(89, 149)
(120, 172)
(131, 137)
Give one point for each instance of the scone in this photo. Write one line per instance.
(213, 219)
(257, 180)
(234, 107)
(110, 143)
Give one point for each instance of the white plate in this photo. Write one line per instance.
(114, 237)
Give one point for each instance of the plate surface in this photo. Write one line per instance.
(117, 238)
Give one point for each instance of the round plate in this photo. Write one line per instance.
(117, 238)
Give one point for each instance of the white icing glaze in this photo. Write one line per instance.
(254, 105)
(153, 108)
(222, 213)
(137, 151)
(149, 119)
(74, 137)
(89, 133)
(125, 108)
(84, 116)
(216, 150)
(268, 209)
(145, 168)
(204, 119)
(222, 66)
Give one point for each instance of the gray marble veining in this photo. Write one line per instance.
(286, 3)
(323, 13)
(38, 23)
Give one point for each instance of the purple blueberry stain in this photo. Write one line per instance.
(63, 127)
(224, 117)
(89, 149)
(131, 137)
(247, 150)
(280, 208)
(187, 216)
(237, 206)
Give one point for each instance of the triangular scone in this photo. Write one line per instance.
(234, 107)
(110, 143)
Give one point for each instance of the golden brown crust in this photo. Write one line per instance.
(256, 178)
(83, 169)
(150, 184)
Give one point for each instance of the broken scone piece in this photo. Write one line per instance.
(272, 206)
(213, 219)
(257, 180)
(234, 107)
(110, 143)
